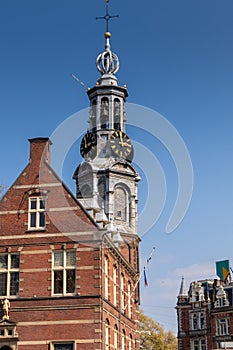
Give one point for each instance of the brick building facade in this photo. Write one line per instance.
(68, 284)
(205, 315)
(69, 266)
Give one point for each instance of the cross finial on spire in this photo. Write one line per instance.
(107, 16)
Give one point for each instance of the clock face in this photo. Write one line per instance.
(121, 145)
(88, 146)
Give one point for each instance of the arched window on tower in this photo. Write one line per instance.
(93, 116)
(86, 191)
(104, 113)
(117, 114)
(101, 191)
(122, 205)
(84, 180)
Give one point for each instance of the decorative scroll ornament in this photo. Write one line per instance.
(107, 62)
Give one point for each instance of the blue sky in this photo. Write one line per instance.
(176, 58)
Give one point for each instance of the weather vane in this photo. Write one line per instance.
(107, 16)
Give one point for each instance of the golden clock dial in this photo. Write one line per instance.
(121, 145)
(88, 146)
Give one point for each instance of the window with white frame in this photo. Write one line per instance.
(115, 338)
(114, 285)
(202, 320)
(129, 299)
(106, 268)
(220, 302)
(122, 292)
(63, 346)
(9, 274)
(223, 326)
(36, 213)
(64, 272)
(199, 344)
(107, 334)
(123, 340)
(130, 341)
(197, 321)
(194, 321)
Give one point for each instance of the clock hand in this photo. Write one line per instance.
(126, 144)
(121, 137)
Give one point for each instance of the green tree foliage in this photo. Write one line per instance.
(153, 335)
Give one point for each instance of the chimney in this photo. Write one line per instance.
(40, 149)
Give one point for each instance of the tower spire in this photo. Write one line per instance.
(183, 290)
(106, 176)
(107, 62)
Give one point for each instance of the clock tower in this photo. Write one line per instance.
(106, 181)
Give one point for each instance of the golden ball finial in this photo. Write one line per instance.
(107, 35)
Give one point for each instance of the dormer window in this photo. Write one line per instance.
(221, 298)
(197, 292)
(36, 213)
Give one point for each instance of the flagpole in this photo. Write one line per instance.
(141, 273)
(143, 269)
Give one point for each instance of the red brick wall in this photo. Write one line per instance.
(40, 316)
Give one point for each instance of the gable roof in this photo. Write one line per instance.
(64, 213)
